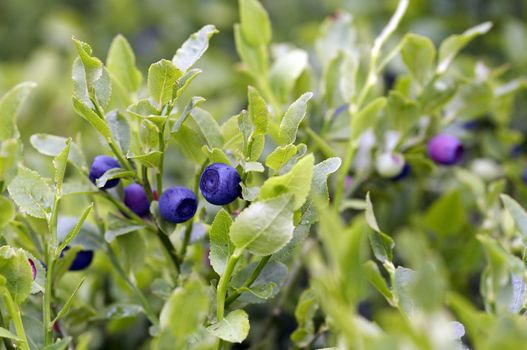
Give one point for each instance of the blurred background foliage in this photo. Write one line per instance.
(36, 41)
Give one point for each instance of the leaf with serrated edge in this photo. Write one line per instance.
(31, 193)
(292, 118)
(193, 48)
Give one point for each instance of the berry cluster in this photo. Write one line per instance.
(219, 184)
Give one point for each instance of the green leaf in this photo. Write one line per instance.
(4, 333)
(258, 111)
(450, 206)
(267, 284)
(61, 344)
(75, 230)
(65, 308)
(319, 188)
(10, 105)
(255, 57)
(376, 280)
(256, 167)
(221, 247)
(17, 272)
(402, 112)
(59, 163)
(151, 159)
(292, 118)
(280, 156)
(31, 193)
(121, 64)
(190, 142)
(9, 152)
(518, 214)
(295, 182)
(120, 129)
(285, 71)
(113, 173)
(208, 127)
(91, 117)
(51, 145)
(193, 48)
(404, 284)
(453, 44)
(162, 77)
(419, 54)
(116, 226)
(183, 83)
(142, 108)
(234, 328)
(7, 211)
(304, 313)
(366, 117)
(186, 309)
(255, 24)
(216, 155)
(381, 244)
(194, 102)
(264, 227)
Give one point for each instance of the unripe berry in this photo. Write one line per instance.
(445, 149)
(389, 164)
(220, 184)
(100, 165)
(135, 198)
(177, 204)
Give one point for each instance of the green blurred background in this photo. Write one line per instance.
(35, 41)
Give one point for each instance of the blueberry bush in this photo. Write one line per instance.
(342, 207)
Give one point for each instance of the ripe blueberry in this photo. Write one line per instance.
(445, 149)
(220, 184)
(407, 169)
(135, 198)
(82, 260)
(177, 204)
(100, 165)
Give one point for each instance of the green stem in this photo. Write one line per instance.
(123, 208)
(16, 317)
(186, 240)
(161, 160)
(120, 156)
(222, 284)
(169, 247)
(341, 180)
(222, 289)
(249, 281)
(3, 323)
(269, 95)
(146, 183)
(48, 328)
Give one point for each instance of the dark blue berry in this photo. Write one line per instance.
(445, 149)
(100, 165)
(220, 184)
(135, 198)
(82, 260)
(177, 204)
(407, 169)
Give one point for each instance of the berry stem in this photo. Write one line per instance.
(146, 183)
(14, 312)
(169, 247)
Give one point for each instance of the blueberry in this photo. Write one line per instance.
(135, 198)
(100, 165)
(445, 149)
(220, 184)
(82, 260)
(177, 204)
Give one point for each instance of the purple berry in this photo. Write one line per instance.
(445, 149)
(220, 184)
(177, 204)
(135, 198)
(100, 165)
